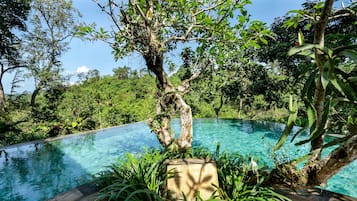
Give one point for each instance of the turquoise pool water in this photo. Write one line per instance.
(38, 172)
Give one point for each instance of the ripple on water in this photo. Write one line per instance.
(38, 172)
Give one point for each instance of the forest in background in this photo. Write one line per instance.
(300, 71)
(128, 96)
(255, 84)
(244, 90)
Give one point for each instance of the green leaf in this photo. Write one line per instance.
(301, 159)
(212, 50)
(308, 89)
(74, 124)
(336, 85)
(352, 54)
(299, 49)
(325, 78)
(321, 128)
(264, 41)
(289, 126)
(336, 141)
(301, 38)
(308, 26)
(311, 114)
(301, 130)
(242, 19)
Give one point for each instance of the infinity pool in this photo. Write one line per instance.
(40, 171)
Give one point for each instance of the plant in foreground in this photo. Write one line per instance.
(144, 177)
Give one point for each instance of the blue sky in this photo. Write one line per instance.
(86, 55)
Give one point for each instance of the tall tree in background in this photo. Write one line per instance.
(13, 16)
(153, 28)
(53, 24)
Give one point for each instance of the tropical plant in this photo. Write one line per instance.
(143, 177)
(328, 89)
(135, 178)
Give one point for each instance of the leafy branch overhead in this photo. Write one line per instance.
(168, 23)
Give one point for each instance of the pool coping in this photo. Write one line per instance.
(89, 191)
(312, 194)
(85, 192)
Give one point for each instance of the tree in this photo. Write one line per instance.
(154, 28)
(329, 87)
(12, 19)
(122, 73)
(53, 24)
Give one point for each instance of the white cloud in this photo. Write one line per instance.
(82, 69)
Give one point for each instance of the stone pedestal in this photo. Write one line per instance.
(190, 177)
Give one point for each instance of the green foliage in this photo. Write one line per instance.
(52, 26)
(135, 178)
(143, 177)
(339, 86)
(293, 110)
(12, 21)
(109, 101)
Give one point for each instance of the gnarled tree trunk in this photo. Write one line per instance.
(170, 100)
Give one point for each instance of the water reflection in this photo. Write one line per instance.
(39, 172)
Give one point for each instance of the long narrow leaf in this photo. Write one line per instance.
(309, 86)
(301, 130)
(336, 141)
(325, 74)
(289, 126)
(321, 128)
(296, 50)
(311, 114)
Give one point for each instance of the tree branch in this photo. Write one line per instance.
(193, 25)
(322, 23)
(12, 68)
(186, 83)
(142, 14)
(208, 8)
(337, 159)
(110, 13)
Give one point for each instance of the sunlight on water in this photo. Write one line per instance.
(38, 172)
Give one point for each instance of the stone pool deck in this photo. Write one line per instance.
(313, 194)
(88, 192)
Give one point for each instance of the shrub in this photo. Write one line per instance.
(143, 177)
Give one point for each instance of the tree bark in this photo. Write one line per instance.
(240, 107)
(218, 109)
(185, 139)
(33, 97)
(319, 95)
(169, 99)
(313, 169)
(2, 98)
(336, 160)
